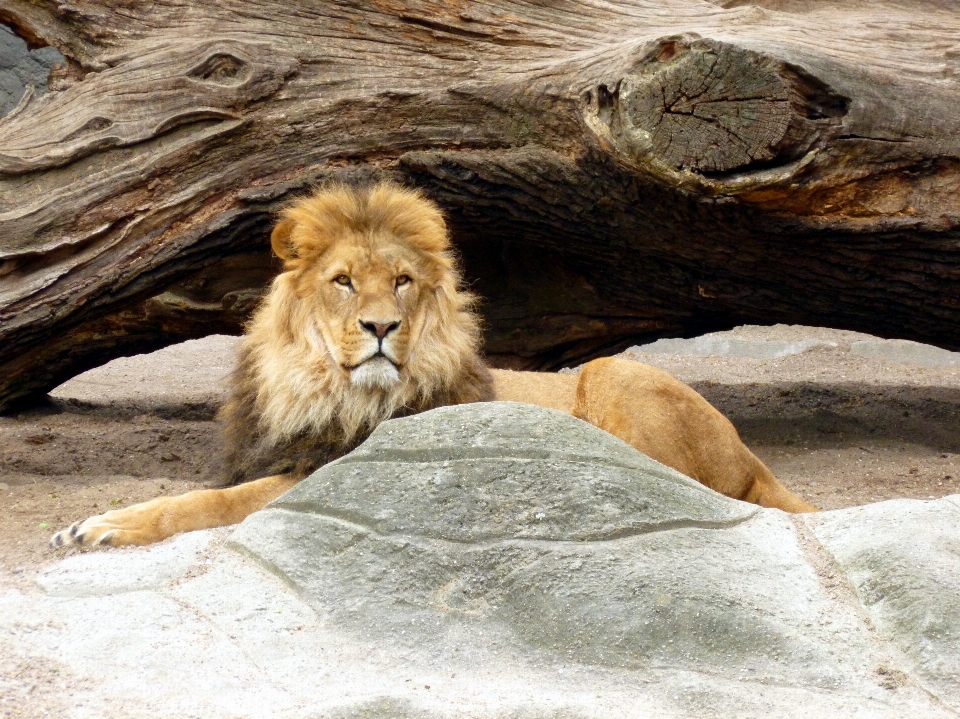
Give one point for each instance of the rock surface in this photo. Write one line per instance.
(907, 352)
(903, 560)
(717, 345)
(187, 380)
(22, 68)
(501, 560)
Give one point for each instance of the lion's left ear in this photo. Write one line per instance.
(282, 241)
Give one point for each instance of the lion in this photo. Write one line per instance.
(369, 320)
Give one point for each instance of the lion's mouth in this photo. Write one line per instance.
(376, 372)
(375, 356)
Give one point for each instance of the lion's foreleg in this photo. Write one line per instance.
(159, 518)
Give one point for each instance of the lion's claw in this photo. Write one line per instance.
(137, 524)
(67, 537)
(93, 532)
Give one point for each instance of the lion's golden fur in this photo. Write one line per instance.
(293, 405)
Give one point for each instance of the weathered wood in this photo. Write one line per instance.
(613, 170)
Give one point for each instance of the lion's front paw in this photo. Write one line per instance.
(117, 528)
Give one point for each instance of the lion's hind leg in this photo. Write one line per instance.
(765, 489)
(668, 421)
(159, 518)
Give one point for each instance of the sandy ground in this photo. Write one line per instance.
(838, 423)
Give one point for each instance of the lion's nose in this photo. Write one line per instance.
(379, 329)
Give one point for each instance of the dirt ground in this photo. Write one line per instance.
(838, 428)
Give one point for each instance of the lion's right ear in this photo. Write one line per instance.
(282, 241)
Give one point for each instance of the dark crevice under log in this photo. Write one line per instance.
(613, 171)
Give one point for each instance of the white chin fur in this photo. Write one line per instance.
(376, 373)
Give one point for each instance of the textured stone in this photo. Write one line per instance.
(504, 470)
(148, 568)
(903, 559)
(907, 352)
(186, 381)
(719, 346)
(533, 527)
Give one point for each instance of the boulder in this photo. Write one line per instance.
(529, 528)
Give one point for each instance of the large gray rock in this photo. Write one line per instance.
(551, 535)
(496, 560)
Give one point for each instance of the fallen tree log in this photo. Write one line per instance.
(613, 171)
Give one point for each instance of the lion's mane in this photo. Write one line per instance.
(289, 409)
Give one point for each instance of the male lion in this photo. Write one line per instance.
(368, 321)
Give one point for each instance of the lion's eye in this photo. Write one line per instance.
(403, 280)
(342, 280)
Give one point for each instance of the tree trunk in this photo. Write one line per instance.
(614, 171)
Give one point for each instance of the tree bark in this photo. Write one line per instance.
(614, 171)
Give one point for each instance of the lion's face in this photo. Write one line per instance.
(367, 296)
(366, 320)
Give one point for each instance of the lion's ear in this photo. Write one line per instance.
(282, 241)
